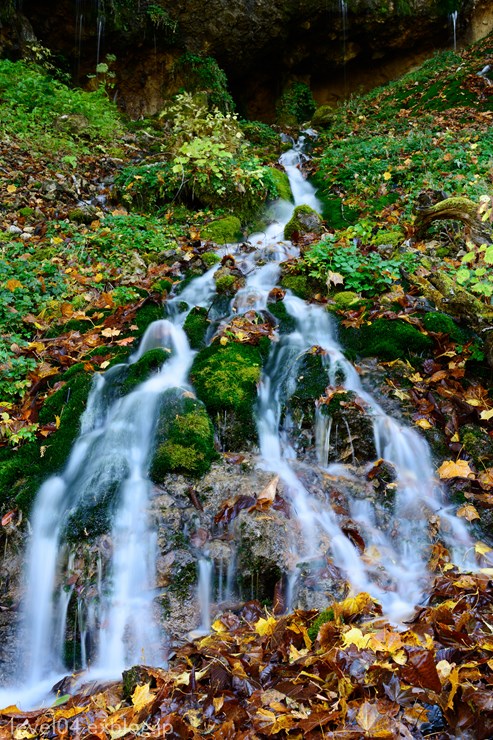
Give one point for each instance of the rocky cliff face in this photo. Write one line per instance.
(261, 44)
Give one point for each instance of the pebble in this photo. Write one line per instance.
(14, 229)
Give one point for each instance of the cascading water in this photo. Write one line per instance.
(453, 19)
(116, 626)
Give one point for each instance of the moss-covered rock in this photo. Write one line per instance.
(386, 339)
(323, 116)
(228, 281)
(225, 379)
(478, 444)
(442, 323)
(210, 258)
(346, 299)
(348, 430)
(223, 231)
(150, 363)
(285, 321)
(305, 220)
(280, 181)
(299, 284)
(22, 471)
(184, 437)
(146, 315)
(196, 326)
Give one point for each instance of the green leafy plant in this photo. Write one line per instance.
(368, 273)
(476, 273)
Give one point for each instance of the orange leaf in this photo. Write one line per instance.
(12, 284)
(451, 469)
(469, 512)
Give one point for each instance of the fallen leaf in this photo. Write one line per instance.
(451, 469)
(469, 512)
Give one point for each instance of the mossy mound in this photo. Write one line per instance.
(346, 299)
(298, 284)
(146, 315)
(225, 379)
(228, 281)
(184, 437)
(386, 339)
(285, 321)
(22, 471)
(223, 231)
(323, 116)
(442, 323)
(305, 220)
(149, 364)
(280, 181)
(93, 515)
(196, 326)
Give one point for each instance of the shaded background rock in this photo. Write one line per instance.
(262, 46)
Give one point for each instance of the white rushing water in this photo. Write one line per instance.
(117, 626)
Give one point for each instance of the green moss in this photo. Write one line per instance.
(304, 219)
(478, 444)
(334, 212)
(225, 379)
(196, 326)
(22, 473)
(280, 182)
(26, 212)
(386, 339)
(225, 284)
(296, 105)
(183, 580)
(184, 438)
(146, 315)
(323, 116)
(326, 616)
(442, 323)
(394, 237)
(210, 258)
(311, 378)
(299, 284)
(286, 322)
(223, 231)
(162, 286)
(150, 363)
(94, 514)
(346, 299)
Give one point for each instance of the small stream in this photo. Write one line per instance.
(117, 626)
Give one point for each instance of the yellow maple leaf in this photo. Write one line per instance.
(142, 696)
(354, 636)
(265, 626)
(108, 332)
(469, 512)
(11, 188)
(486, 415)
(387, 175)
(481, 549)
(451, 469)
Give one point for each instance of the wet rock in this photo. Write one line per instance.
(303, 221)
(347, 429)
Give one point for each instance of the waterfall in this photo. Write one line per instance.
(453, 19)
(117, 626)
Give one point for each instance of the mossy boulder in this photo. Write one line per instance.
(346, 299)
(146, 315)
(223, 231)
(22, 471)
(149, 364)
(385, 339)
(184, 437)
(196, 326)
(228, 281)
(280, 181)
(323, 116)
(299, 284)
(305, 220)
(347, 429)
(285, 321)
(442, 323)
(225, 379)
